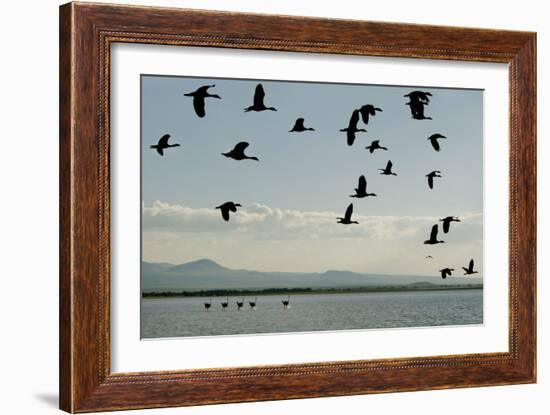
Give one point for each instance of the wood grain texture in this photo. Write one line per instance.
(86, 33)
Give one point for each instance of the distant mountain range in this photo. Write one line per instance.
(206, 274)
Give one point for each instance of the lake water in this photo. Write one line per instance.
(181, 317)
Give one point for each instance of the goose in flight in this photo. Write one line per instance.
(351, 129)
(238, 152)
(361, 190)
(387, 171)
(417, 110)
(375, 145)
(431, 175)
(470, 269)
(163, 144)
(226, 208)
(447, 222)
(299, 127)
(419, 96)
(433, 237)
(367, 110)
(198, 99)
(433, 139)
(258, 104)
(346, 220)
(446, 272)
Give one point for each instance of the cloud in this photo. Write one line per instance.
(261, 221)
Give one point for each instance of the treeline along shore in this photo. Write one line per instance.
(320, 291)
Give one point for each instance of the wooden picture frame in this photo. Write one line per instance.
(86, 33)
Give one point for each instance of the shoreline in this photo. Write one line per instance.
(307, 291)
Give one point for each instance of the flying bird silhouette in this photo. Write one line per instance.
(447, 222)
(238, 152)
(361, 190)
(258, 103)
(367, 110)
(375, 145)
(352, 129)
(299, 127)
(431, 175)
(429, 257)
(446, 272)
(419, 96)
(163, 144)
(433, 139)
(198, 98)
(417, 110)
(226, 208)
(470, 269)
(346, 220)
(387, 171)
(433, 237)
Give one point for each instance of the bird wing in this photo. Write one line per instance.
(198, 104)
(375, 143)
(225, 212)
(351, 136)
(435, 144)
(365, 110)
(433, 233)
(362, 186)
(389, 165)
(446, 225)
(203, 90)
(232, 207)
(354, 119)
(431, 182)
(259, 95)
(163, 141)
(471, 265)
(349, 212)
(240, 147)
(160, 151)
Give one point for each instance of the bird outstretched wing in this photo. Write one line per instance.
(471, 265)
(354, 119)
(350, 134)
(225, 213)
(435, 144)
(433, 233)
(240, 147)
(349, 212)
(259, 95)
(198, 104)
(431, 181)
(446, 225)
(362, 186)
(163, 141)
(389, 165)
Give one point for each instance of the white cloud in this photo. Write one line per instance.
(261, 221)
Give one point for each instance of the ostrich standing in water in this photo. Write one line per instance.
(225, 304)
(207, 305)
(252, 304)
(286, 303)
(240, 304)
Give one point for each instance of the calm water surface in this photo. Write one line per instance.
(180, 317)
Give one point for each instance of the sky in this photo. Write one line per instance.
(291, 197)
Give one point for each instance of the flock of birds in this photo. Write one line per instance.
(418, 100)
(240, 304)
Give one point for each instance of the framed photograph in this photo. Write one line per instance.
(260, 207)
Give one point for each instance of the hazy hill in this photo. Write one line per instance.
(207, 274)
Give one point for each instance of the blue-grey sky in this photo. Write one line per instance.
(291, 196)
